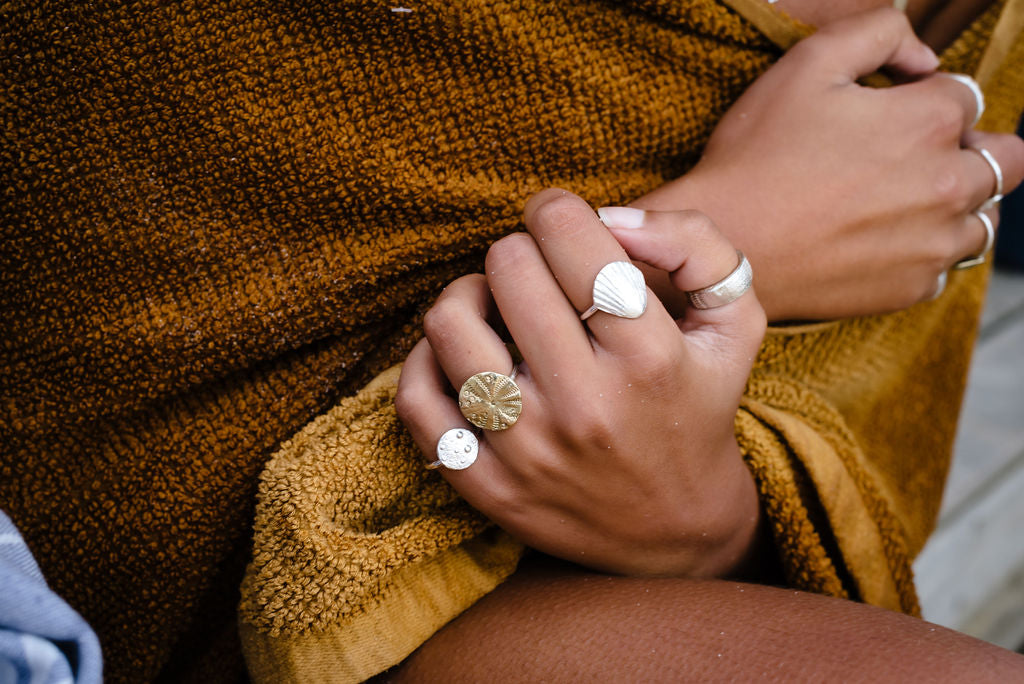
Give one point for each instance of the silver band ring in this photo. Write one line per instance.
(491, 401)
(990, 239)
(940, 285)
(979, 97)
(619, 289)
(457, 449)
(727, 290)
(997, 196)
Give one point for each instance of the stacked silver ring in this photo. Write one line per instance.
(997, 196)
(990, 240)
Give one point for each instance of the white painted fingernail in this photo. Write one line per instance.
(621, 217)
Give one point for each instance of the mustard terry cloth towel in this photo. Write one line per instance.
(360, 554)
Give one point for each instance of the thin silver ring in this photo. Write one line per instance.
(725, 291)
(979, 97)
(990, 239)
(997, 196)
(940, 285)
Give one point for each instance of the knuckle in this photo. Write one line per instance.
(654, 360)
(560, 213)
(508, 251)
(701, 226)
(946, 119)
(953, 191)
(590, 425)
(407, 403)
(441, 321)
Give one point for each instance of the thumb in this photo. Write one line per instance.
(865, 42)
(695, 254)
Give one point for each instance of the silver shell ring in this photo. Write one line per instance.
(979, 97)
(990, 239)
(456, 450)
(997, 196)
(727, 290)
(619, 289)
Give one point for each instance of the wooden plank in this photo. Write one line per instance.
(991, 431)
(966, 565)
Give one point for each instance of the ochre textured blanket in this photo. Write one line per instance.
(221, 217)
(361, 554)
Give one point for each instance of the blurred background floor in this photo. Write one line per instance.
(970, 576)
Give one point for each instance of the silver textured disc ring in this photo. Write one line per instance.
(619, 289)
(491, 401)
(725, 291)
(457, 450)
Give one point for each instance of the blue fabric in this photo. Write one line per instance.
(42, 639)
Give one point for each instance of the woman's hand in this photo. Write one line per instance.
(624, 457)
(848, 200)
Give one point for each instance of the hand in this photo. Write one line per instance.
(848, 200)
(624, 457)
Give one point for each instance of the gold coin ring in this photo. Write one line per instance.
(491, 401)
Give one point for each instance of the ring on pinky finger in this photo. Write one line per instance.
(990, 240)
(457, 449)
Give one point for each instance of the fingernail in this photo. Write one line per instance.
(621, 217)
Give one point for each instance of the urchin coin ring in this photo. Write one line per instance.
(619, 289)
(491, 401)
(456, 450)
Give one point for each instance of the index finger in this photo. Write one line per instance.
(578, 249)
(865, 42)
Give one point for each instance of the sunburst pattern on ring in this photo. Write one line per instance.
(491, 401)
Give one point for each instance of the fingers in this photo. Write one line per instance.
(974, 89)
(428, 411)
(576, 246)
(946, 103)
(543, 323)
(695, 254)
(976, 238)
(863, 43)
(1007, 155)
(458, 331)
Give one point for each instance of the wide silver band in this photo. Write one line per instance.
(940, 285)
(979, 97)
(997, 196)
(727, 290)
(990, 240)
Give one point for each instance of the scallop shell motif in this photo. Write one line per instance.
(491, 401)
(619, 289)
(457, 449)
